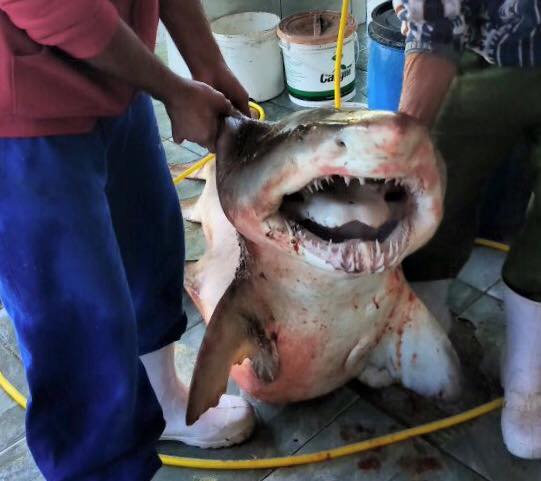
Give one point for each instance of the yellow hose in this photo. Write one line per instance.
(287, 461)
(260, 112)
(355, 448)
(194, 168)
(12, 391)
(338, 56)
(201, 163)
(492, 245)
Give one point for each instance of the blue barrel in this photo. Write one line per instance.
(385, 59)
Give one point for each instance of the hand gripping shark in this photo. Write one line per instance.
(306, 223)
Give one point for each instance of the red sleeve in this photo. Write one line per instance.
(82, 28)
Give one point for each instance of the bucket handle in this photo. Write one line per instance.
(357, 47)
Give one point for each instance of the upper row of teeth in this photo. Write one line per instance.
(318, 184)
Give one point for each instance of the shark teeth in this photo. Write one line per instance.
(352, 255)
(321, 182)
(318, 184)
(368, 257)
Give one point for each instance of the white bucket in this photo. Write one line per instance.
(249, 44)
(309, 60)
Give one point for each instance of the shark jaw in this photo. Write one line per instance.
(353, 224)
(349, 192)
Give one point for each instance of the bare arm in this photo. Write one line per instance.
(427, 78)
(194, 108)
(434, 34)
(186, 22)
(128, 59)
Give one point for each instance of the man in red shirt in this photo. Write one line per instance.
(91, 237)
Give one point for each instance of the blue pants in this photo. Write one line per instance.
(91, 270)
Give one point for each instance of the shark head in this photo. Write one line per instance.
(351, 191)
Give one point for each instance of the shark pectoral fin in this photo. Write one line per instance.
(232, 336)
(220, 350)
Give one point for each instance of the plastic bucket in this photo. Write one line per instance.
(385, 59)
(249, 45)
(308, 42)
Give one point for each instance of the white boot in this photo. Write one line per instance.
(231, 422)
(521, 376)
(433, 294)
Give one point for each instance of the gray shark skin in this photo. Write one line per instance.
(306, 224)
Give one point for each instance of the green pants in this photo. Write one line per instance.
(488, 111)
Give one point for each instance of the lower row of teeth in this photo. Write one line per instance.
(374, 256)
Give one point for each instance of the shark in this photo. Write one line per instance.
(306, 222)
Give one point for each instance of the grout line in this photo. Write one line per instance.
(192, 326)
(191, 150)
(497, 299)
(478, 297)
(311, 438)
(12, 445)
(429, 438)
(491, 286)
(4, 343)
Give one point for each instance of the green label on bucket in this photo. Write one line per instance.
(310, 70)
(319, 96)
(329, 77)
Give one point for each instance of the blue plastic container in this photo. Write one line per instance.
(385, 59)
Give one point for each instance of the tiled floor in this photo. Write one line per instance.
(353, 413)
(473, 452)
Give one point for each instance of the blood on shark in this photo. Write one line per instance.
(306, 222)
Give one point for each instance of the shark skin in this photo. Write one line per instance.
(306, 223)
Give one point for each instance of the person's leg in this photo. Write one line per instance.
(473, 138)
(504, 105)
(92, 414)
(522, 269)
(521, 376)
(147, 219)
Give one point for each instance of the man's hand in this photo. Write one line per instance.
(222, 79)
(195, 110)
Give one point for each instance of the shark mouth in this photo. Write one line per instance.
(354, 224)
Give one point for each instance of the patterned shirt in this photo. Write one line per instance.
(504, 32)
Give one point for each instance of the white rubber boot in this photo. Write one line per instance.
(231, 422)
(521, 376)
(433, 294)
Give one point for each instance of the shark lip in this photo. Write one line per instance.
(354, 224)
